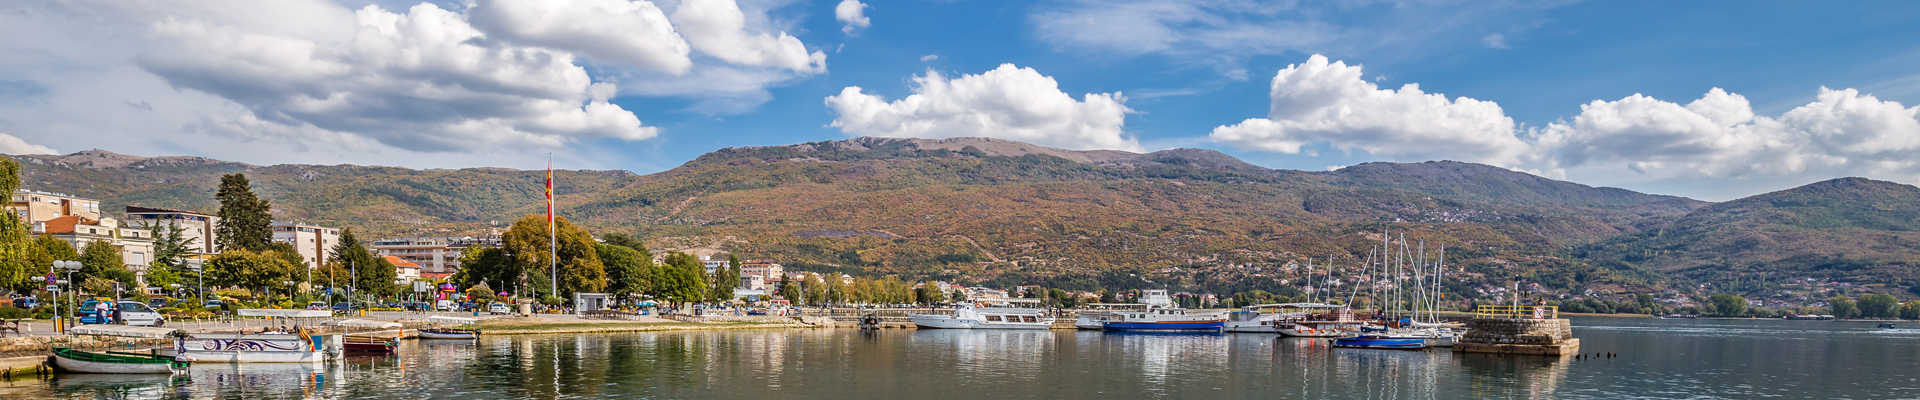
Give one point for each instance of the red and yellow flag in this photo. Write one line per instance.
(549, 193)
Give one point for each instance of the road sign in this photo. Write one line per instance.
(51, 277)
(53, 287)
(421, 286)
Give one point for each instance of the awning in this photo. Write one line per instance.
(121, 331)
(271, 312)
(453, 320)
(361, 323)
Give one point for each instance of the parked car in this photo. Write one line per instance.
(445, 305)
(316, 305)
(498, 309)
(135, 313)
(342, 308)
(26, 302)
(157, 302)
(214, 304)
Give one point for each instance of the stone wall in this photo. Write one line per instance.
(1543, 332)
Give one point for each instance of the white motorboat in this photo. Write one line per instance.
(1331, 321)
(1162, 316)
(1000, 315)
(1096, 319)
(1270, 318)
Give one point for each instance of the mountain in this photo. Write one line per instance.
(1004, 212)
(1846, 230)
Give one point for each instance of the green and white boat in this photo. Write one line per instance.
(113, 362)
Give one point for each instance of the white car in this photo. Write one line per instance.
(498, 309)
(138, 314)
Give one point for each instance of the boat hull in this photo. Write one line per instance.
(71, 361)
(1380, 342)
(368, 347)
(463, 335)
(249, 348)
(948, 322)
(1167, 326)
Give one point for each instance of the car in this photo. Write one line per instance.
(497, 309)
(342, 308)
(157, 302)
(26, 302)
(89, 311)
(445, 305)
(213, 304)
(316, 305)
(135, 313)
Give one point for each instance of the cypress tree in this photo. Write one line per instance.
(246, 220)
(15, 241)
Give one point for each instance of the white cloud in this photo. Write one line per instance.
(1007, 103)
(15, 146)
(929, 57)
(852, 12)
(718, 28)
(1498, 41)
(1718, 135)
(422, 81)
(632, 33)
(1330, 102)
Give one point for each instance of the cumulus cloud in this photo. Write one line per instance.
(929, 57)
(718, 28)
(423, 81)
(1330, 102)
(854, 14)
(15, 146)
(1719, 135)
(1007, 103)
(1498, 41)
(631, 33)
(1842, 132)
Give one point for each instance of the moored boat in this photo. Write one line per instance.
(1334, 321)
(1264, 318)
(1165, 319)
(972, 316)
(367, 344)
(112, 362)
(460, 328)
(1381, 342)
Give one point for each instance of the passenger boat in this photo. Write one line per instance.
(1096, 319)
(113, 362)
(979, 316)
(1381, 342)
(297, 346)
(1166, 318)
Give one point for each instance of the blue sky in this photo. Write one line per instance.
(1549, 86)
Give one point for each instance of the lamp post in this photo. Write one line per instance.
(70, 266)
(196, 265)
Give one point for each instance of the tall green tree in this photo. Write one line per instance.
(574, 253)
(1910, 310)
(681, 279)
(791, 291)
(1842, 307)
(1878, 306)
(629, 271)
(16, 251)
(490, 266)
(624, 240)
(169, 246)
(99, 259)
(1727, 305)
(368, 273)
(251, 270)
(725, 280)
(246, 220)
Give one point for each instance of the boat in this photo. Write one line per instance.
(461, 329)
(367, 344)
(114, 362)
(981, 316)
(1809, 317)
(1264, 318)
(298, 345)
(1888, 325)
(1159, 318)
(1334, 321)
(1096, 319)
(1380, 342)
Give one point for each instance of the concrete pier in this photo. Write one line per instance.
(1547, 337)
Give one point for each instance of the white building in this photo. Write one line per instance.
(434, 254)
(136, 245)
(766, 269)
(36, 206)
(311, 241)
(196, 228)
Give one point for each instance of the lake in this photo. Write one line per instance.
(1656, 359)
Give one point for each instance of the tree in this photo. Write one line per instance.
(246, 220)
(725, 279)
(1727, 305)
(170, 244)
(624, 240)
(99, 259)
(929, 293)
(791, 291)
(628, 270)
(1842, 307)
(680, 281)
(250, 269)
(1878, 306)
(487, 266)
(15, 239)
(1910, 310)
(572, 251)
(359, 267)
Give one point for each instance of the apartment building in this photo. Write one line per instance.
(136, 245)
(36, 206)
(196, 228)
(311, 241)
(436, 255)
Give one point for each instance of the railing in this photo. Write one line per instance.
(1516, 312)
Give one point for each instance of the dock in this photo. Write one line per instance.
(1523, 330)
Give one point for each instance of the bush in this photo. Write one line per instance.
(11, 312)
(43, 315)
(385, 309)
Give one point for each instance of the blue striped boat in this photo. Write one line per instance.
(1381, 342)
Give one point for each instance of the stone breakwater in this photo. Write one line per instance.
(1551, 337)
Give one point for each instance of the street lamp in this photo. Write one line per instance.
(54, 285)
(196, 264)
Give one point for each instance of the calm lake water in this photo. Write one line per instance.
(1657, 359)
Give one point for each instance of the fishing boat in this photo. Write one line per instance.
(1166, 318)
(1381, 342)
(983, 316)
(461, 328)
(114, 362)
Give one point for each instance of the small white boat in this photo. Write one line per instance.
(1271, 318)
(971, 316)
(462, 329)
(1334, 321)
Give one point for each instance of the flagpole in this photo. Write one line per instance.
(552, 235)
